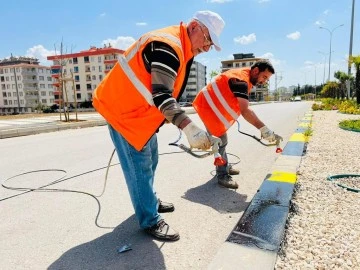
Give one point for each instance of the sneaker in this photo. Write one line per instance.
(227, 181)
(233, 171)
(165, 207)
(163, 231)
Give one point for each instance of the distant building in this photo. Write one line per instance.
(242, 60)
(24, 85)
(81, 72)
(196, 82)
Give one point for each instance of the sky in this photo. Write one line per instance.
(287, 32)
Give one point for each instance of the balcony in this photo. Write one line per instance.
(110, 61)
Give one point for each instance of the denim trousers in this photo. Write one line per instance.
(220, 170)
(139, 170)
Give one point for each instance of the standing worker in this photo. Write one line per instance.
(141, 92)
(221, 102)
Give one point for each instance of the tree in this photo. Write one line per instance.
(343, 78)
(330, 90)
(213, 73)
(356, 61)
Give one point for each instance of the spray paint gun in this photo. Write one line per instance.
(215, 144)
(278, 139)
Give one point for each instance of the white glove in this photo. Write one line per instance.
(197, 137)
(269, 135)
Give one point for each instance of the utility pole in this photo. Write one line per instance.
(350, 49)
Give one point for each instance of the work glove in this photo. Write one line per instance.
(197, 137)
(269, 135)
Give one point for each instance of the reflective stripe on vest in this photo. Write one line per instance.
(123, 61)
(223, 102)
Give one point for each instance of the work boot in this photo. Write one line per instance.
(226, 180)
(162, 231)
(165, 207)
(233, 171)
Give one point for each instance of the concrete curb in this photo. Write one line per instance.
(56, 126)
(254, 242)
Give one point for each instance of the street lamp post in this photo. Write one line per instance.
(330, 32)
(324, 54)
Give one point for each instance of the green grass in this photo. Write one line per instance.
(350, 124)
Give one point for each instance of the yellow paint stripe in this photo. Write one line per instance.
(303, 124)
(285, 177)
(306, 119)
(297, 137)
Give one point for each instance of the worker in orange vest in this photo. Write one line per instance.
(142, 91)
(222, 101)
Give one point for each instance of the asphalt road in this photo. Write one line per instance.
(74, 229)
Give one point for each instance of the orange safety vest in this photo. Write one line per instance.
(216, 104)
(124, 96)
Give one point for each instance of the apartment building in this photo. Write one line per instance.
(81, 73)
(25, 85)
(196, 81)
(242, 60)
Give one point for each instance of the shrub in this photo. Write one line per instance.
(350, 124)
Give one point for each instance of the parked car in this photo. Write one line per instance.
(297, 98)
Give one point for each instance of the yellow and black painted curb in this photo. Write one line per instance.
(260, 230)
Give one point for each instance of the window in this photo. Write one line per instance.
(14, 94)
(93, 68)
(43, 93)
(93, 77)
(4, 94)
(77, 87)
(86, 59)
(88, 86)
(76, 69)
(75, 60)
(78, 96)
(43, 101)
(41, 78)
(9, 94)
(100, 77)
(42, 85)
(100, 68)
(77, 78)
(49, 79)
(22, 102)
(99, 59)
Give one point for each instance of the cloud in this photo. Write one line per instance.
(263, 1)
(102, 14)
(141, 23)
(120, 42)
(319, 23)
(244, 40)
(272, 59)
(326, 12)
(219, 1)
(294, 36)
(41, 53)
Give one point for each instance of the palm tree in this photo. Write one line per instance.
(343, 78)
(356, 61)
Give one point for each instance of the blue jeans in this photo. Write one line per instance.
(139, 171)
(220, 170)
